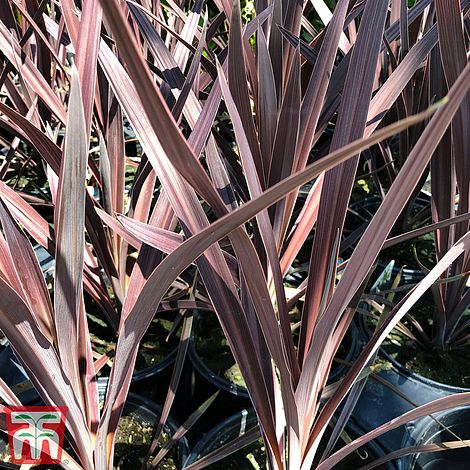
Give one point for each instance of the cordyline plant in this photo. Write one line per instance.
(450, 180)
(177, 76)
(450, 184)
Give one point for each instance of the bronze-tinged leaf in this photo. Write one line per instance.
(446, 403)
(338, 183)
(45, 371)
(237, 80)
(368, 247)
(70, 237)
(28, 274)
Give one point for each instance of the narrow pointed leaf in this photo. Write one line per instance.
(70, 236)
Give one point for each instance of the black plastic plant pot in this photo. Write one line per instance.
(143, 382)
(380, 402)
(419, 385)
(361, 212)
(153, 381)
(444, 428)
(218, 381)
(223, 433)
(204, 383)
(142, 379)
(131, 446)
(245, 420)
(352, 346)
(156, 369)
(16, 378)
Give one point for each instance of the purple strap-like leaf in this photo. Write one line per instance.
(370, 244)
(28, 274)
(70, 237)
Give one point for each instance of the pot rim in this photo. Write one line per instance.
(224, 384)
(152, 408)
(408, 374)
(247, 416)
(416, 430)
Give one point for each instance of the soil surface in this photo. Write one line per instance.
(132, 441)
(156, 345)
(253, 457)
(451, 367)
(213, 349)
(403, 253)
(448, 367)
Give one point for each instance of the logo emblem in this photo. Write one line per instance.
(36, 433)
